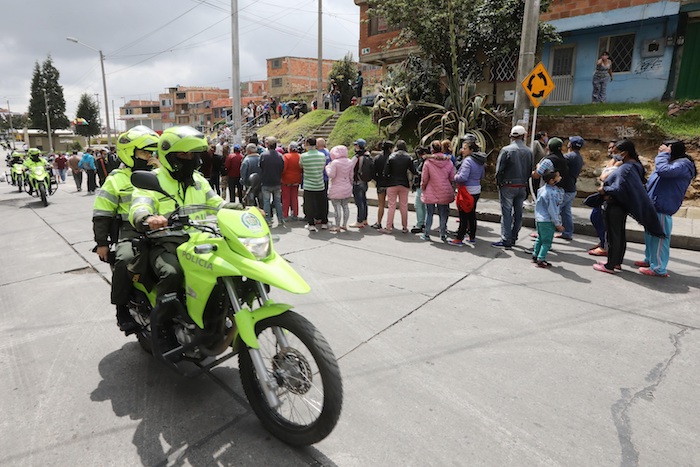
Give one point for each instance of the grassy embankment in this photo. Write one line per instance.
(287, 130)
(683, 126)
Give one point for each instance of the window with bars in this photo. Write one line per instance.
(379, 25)
(621, 50)
(276, 82)
(503, 69)
(276, 63)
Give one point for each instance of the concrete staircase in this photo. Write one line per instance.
(324, 131)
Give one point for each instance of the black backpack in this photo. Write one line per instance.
(366, 170)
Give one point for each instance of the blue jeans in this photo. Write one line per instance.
(359, 192)
(443, 213)
(511, 212)
(598, 221)
(567, 219)
(276, 193)
(420, 209)
(658, 250)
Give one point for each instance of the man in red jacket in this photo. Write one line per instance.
(233, 171)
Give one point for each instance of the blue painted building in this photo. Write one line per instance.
(645, 43)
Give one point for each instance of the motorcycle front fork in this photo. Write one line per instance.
(268, 384)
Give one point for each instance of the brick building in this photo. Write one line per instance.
(292, 77)
(141, 112)
(182, 105)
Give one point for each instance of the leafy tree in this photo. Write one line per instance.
(344, 72)
(18, 122)
(420, 79)
(460, 36)
(89, 111)
(45, 83)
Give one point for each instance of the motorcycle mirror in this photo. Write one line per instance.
(147, 180)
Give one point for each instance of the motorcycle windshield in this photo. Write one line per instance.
(198, 212)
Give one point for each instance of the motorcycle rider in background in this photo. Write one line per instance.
(110, 215)
(16, 158)
(179, 153)
(33, 160)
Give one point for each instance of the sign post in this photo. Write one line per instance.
(538, 85)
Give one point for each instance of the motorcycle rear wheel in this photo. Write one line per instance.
(42, 194)
(310, 386)
(20, 184)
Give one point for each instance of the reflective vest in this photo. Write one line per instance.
(145, 203)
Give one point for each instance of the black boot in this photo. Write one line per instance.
(125, 321)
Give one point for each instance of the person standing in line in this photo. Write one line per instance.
(436, 184)
(624, 194)
(362, 174)
(539, 152)
(207, 158)
(74, 164)
(61, 165)
(673, 173)
(87, 163)
(216, 166)
(597, 216)
(574, 163)
(313, 164)
(224, 173)
(603, 71)
(396, 170)
(381, 181)
(340, 173)
(470, 174)
(513, 168)
(291, 179)
(271, 167)
(321, 146)
(421, 154)
(250, 166)
(547, 217)
(233, 171)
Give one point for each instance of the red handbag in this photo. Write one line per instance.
(465, 201)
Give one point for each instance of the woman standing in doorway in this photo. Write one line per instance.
(603, 70)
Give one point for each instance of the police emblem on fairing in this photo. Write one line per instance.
(251, 222)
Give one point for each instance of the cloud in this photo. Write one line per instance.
(150, 46)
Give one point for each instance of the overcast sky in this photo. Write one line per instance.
(151, 45)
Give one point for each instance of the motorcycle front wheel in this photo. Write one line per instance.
(310, 388)
(42, 194)
(20, 184)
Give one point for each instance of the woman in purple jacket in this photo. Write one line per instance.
(470, 174)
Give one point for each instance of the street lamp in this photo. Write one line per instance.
(104, 84)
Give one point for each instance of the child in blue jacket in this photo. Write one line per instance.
(547, 216)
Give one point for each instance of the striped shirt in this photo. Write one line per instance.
(313, 163)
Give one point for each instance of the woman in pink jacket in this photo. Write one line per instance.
(436, 185)
(340, 172)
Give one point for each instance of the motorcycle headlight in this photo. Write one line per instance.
(259, 247)
(38, 170)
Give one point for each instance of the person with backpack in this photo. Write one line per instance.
(362, 175)
(396, 171)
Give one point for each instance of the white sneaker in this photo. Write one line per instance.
(311, 228)
(324, 226)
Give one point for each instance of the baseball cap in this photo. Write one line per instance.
(576, 141)
(236, 147)
(555, 144)
(361, 143)
(518, 130)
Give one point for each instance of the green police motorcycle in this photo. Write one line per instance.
(16, 173)
(287, 369)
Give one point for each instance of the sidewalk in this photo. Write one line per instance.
(685, 234)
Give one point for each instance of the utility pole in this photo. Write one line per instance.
(48, 121)
(526, 59)
(319, 92)
(235, 75)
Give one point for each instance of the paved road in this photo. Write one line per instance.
(449, 356)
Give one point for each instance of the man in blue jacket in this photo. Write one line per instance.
(674, 172)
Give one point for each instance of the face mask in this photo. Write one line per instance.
(187, 168)
(618, 157)
(546, 140)
(140, 164)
